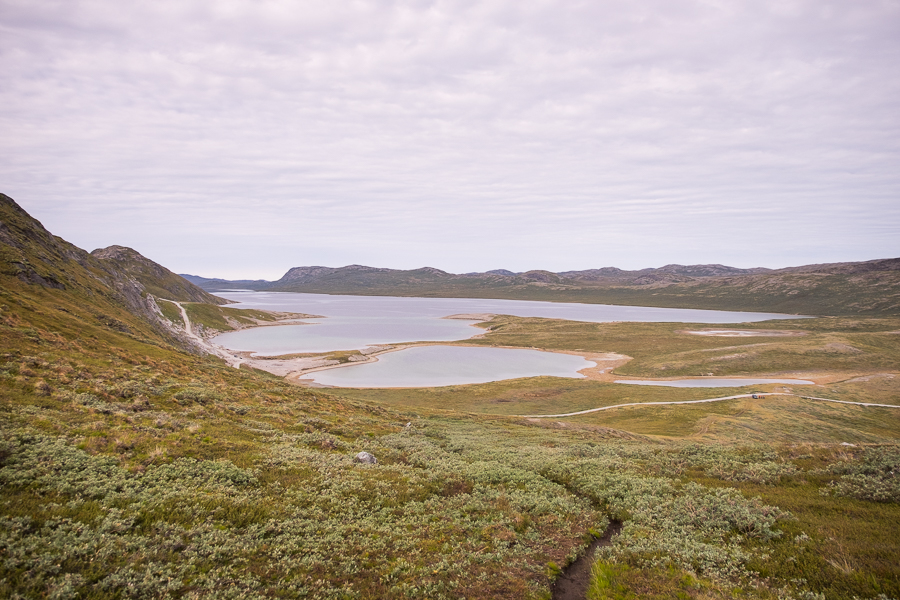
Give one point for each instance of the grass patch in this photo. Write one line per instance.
(863, 345)
(171, 312)
(208, 316)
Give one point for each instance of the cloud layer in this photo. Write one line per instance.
(240, 138)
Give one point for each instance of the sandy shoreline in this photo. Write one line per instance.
(296, 369)
(588, 372)
(293, 369)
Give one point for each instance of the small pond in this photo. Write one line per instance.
(709, 382)
(433, 366)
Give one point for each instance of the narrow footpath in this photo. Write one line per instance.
(575, 579)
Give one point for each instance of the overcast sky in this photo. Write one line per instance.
(239, 138)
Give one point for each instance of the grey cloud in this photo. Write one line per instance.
(602, 129)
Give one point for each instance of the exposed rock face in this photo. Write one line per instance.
(28, 275)
(154, 278)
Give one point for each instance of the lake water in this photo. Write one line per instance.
(345, 333)
(433, 366)
(354, 322)
(710, 382)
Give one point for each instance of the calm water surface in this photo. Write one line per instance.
(433, 366)
(345, 333)
(710, 382)
(354, 322)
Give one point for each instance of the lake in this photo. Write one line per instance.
(354, 322)
(433, 366)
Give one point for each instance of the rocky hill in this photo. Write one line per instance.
(112, 289)
(153, 277)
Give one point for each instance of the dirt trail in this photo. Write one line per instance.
(591, 410)
(222, 353)
(187, 323)
(574, 581)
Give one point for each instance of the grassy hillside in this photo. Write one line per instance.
(115, 283)
(132, 469)
(71, 290)
(189, 478)
(210, 319)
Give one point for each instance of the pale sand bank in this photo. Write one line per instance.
(745, 332)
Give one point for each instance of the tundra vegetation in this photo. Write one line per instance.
(131, 467)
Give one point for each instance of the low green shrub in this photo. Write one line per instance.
(200, 395)
(873, 474)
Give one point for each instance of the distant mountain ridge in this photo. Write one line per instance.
(208, 283)
(304, 275)
(668, 273)
(865, 287)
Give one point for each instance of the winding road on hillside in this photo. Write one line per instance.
(220, 352)
(187, 323)
(593, 410)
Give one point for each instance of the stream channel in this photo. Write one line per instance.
(573, 582)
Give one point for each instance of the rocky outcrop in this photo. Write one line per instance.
(152, 277)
